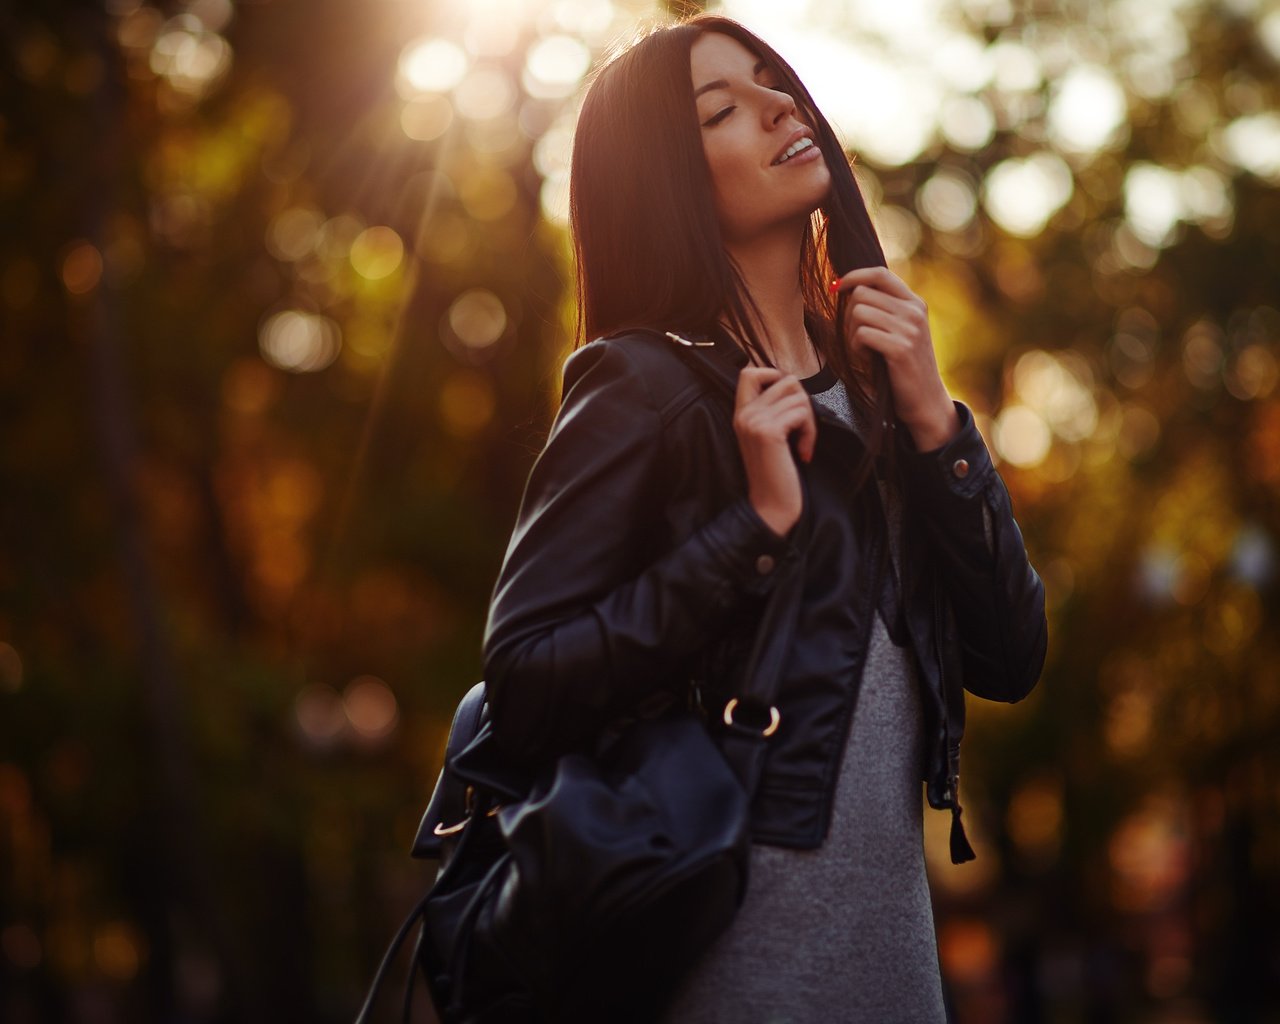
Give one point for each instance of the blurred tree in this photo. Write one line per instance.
(1123, 355)
(249, 495)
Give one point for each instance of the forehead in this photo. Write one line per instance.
(715, 55)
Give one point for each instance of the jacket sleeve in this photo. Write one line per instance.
(997, 597)
(595, 607)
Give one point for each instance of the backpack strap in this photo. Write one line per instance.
(448, 804)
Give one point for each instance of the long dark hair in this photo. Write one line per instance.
(645, 234)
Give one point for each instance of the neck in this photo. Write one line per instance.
(770, 269)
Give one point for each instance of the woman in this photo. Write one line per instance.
(710, 199)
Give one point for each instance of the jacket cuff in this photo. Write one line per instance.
(959, 469)
(747, 548)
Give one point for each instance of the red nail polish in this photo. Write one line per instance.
(834, 286)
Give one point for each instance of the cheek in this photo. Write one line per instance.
(728, 167)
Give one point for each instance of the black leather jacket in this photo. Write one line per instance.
(637, 563)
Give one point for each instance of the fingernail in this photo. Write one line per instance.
(834, 286)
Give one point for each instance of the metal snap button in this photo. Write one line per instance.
(765, 564)
(960, 468)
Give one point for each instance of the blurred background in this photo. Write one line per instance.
(284, 296)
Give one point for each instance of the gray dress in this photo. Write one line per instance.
(843, 933)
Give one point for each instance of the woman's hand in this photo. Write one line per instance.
(886, 316)
(768, 407)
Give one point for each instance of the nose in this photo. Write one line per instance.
(778, 105)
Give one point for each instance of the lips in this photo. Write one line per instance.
(792, 139)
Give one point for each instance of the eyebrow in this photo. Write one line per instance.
(720, 83)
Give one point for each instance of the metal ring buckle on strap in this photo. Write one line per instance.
(775, 717)
(441, 829)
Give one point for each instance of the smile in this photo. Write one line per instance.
(802, 145)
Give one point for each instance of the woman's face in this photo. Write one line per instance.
(749, 127)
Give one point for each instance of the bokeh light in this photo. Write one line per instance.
(553, 199)
(494, 27)
(592, 21)
(947, 201)
(1148, 854)
(485, 93)
(967, 122)
(554, 67)
(293, 233)
(426, 118)
(900, 124)
(1059, 388)
(1014, 67)
(214, 15)
(249, 387)
(1269, 32)
(899, 232)
(1021, 436)
(1203, 359)
(431, 65)
(1153, 203)
(1131, 355)
(319, 715)
(81, 268)
(1139, 430)
(963, 63)
(1035, 819)
(138, 29)
(1253, 373)
(1088, 111)
(968, 949)
(1021, 194)
(376, 252)
(1253, 556)
(477, 318)
(370, 707)
(117, 951)
(336, 235)
(299, 342)
(190, 58)
(1253, 144)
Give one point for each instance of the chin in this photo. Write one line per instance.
(823, 186)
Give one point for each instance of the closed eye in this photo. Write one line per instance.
(716, 118)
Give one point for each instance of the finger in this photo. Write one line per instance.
(871, 315)
(798, 421)
(752, 380)
(775, 419)
(808, 439)
(865, 296)
(885, 343)
(786, 386)
(775, 392)
(759, 373)
(876, 277)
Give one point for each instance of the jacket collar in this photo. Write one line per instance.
(728, 358)
(716, 350)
